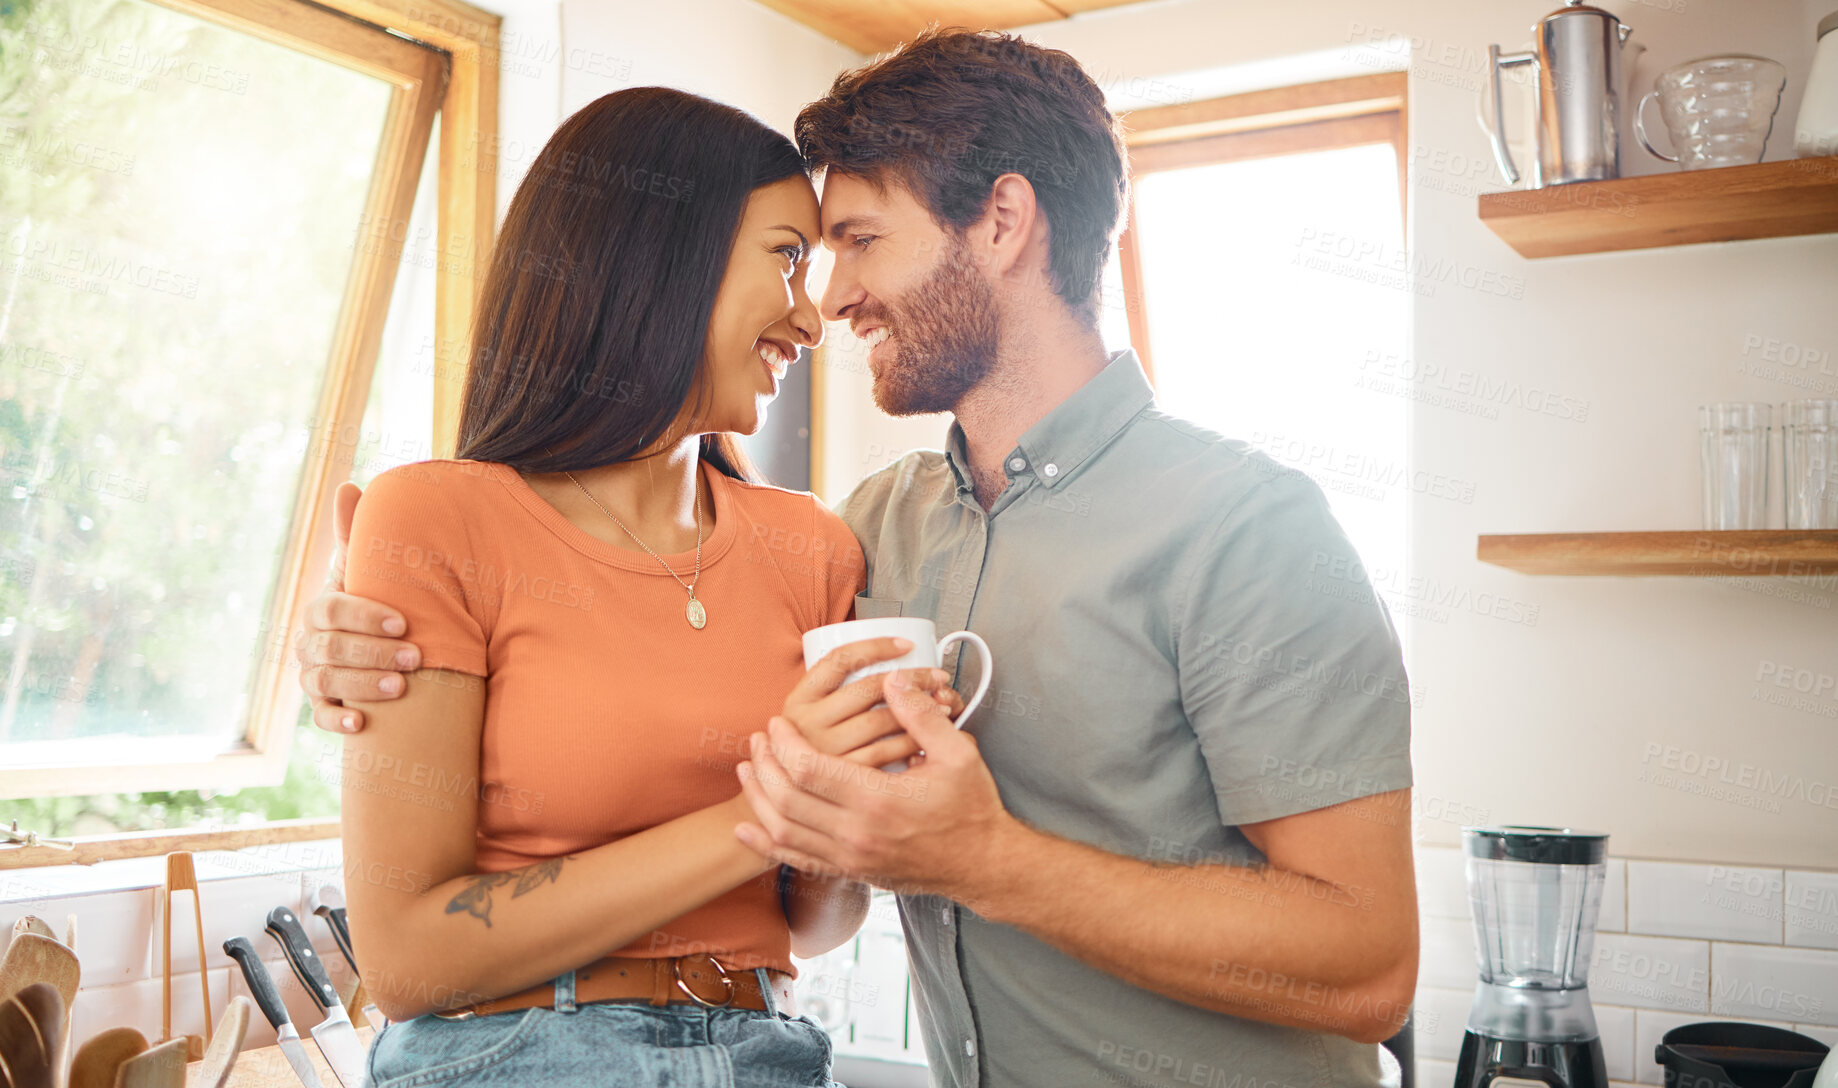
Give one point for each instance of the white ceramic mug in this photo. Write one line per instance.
(928, 650)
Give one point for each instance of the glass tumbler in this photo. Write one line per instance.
(1733, 442)
(1809, 455)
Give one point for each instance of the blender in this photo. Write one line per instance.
(1534, 893)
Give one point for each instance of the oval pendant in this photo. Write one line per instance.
(698, 616)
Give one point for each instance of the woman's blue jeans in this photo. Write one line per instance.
(626, 1044)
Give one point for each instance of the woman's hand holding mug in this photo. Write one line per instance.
(838, 705)
(834, 649)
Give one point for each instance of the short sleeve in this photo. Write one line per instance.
(1291, 672)
(841, 570)
(409, 549)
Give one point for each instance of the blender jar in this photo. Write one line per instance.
(1534, 893)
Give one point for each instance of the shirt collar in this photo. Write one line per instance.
(1076, 428)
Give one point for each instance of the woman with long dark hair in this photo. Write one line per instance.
(544, 880)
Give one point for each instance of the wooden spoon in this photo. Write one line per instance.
(32, 958)
(31, 1037)
(226, 1043)
(32, 923)
(98, 1059)
(162, 1066)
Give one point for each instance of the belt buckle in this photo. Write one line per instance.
(676, 971)
(467, 1013)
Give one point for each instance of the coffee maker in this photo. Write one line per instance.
(1534, 893)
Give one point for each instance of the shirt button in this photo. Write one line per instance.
(1016, 464)
(1051, 470)
(945, 912)
(969, 1048)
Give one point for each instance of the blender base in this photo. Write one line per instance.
(1485, 1059)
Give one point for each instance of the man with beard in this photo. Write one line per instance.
(1173, 847)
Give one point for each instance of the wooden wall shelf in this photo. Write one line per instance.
(1766, 200)
(1695, 553)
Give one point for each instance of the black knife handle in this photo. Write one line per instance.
(261, 984)
(300, 956)
(335, 921)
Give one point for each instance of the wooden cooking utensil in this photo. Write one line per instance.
(99, 1058)
(31, 958)
(162, 1066)
(225, 1044)
(31, 1037)
(181, 876)
(64, 971)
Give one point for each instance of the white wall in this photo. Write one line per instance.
(557, 57)
(1605, 711)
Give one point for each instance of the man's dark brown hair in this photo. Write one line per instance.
(953, 110)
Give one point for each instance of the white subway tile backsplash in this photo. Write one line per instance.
(1435, 1073)
(1790, 984)
(137, 1005)
(1826, 1035)
(114, 931)
(1438, 1019)
(1712, 902)
(1812, 909)
(1442, 883)
(1446, 958)
(1650, 972)
(1613, 916)
(237, 906)
(1651, 1025)
(1616, 1025)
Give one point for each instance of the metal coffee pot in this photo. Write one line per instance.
(1581, 85)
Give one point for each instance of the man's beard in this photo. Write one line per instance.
(945, 333)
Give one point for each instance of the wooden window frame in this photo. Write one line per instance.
(1323, 116)
(440, 57)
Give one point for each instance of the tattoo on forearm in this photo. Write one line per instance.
(475, 897)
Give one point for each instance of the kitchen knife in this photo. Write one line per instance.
(336, 1037)
(268, 999)
(329, 903)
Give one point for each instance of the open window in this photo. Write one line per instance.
(1267, 288)
(207, 209)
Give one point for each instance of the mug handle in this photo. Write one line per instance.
(1640, 128)
(989, 668)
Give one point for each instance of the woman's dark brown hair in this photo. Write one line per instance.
(593, 317)
(952, 110)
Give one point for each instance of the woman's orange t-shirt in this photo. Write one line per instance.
(606, 713)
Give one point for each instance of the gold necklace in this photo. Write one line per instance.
(698, 616)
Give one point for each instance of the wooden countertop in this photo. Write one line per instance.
(266, 1067)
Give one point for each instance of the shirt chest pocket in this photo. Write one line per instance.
(876, 608)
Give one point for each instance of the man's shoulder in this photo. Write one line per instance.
(1216, 472)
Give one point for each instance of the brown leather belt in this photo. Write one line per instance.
(699, 979)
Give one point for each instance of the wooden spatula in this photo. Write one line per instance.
(162, 1066)
(38, 927)
(31, 958)
(214, 1072)
(181, 876)
(31, 1037)
(98, 1059)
